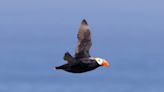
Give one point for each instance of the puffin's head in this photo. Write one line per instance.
(102, 62)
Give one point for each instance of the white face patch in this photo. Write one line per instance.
(99, 60)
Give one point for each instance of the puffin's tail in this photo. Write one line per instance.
(61, 67)
(56, 68)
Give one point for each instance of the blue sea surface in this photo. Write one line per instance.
(35, 34)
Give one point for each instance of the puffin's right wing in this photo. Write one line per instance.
(84, 41)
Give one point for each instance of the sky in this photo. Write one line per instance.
(35, 34)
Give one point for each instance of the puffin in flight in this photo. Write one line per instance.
(82, 61)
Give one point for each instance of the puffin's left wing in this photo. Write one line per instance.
(84, 41)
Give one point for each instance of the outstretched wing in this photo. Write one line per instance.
(84, 41)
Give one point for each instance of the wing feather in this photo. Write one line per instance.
(84, 41)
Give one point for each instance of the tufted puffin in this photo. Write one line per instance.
(82, 61)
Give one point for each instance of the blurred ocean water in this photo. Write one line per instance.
(34, 35)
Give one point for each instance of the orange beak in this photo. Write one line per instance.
(105, 63)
